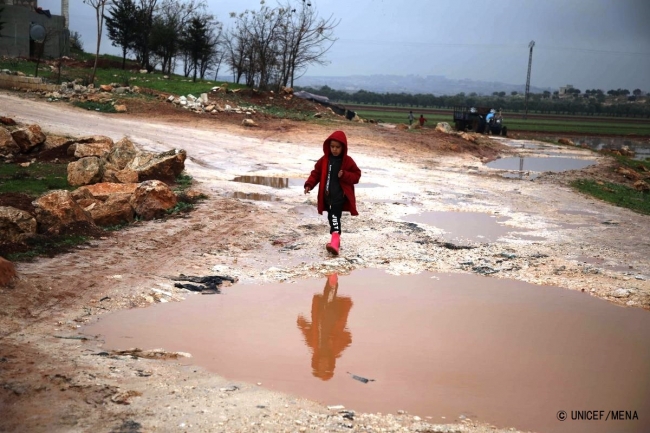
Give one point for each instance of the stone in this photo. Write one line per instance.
(164, 166)
(120, 176)
(97, 145)
(621, 293)
(152, 199)
(7, 272)
(106, 88)
(170, 98)
(57, 209)
(115, 210)
(104, 190)
(29, 137)
(121, 154)
(8, 145)
(7, 121)
(248, 122)
(84, 171)
(120, 108)
(54, 142)
(566, 142)
(16, 225)
(628, 173)
(444, 127)
(642, 186)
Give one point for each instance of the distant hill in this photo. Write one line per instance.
(432, 84)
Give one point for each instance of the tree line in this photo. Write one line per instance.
(265, 48)
(593, 102)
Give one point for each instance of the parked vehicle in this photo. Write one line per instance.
(474, 119)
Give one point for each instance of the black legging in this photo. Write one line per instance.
(334, 212)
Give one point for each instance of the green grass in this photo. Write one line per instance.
(34, 180)
(618, 195)
(634, 164)
(40, 246)
(185, 203)
(183, 182)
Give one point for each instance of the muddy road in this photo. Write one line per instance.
(554, 237)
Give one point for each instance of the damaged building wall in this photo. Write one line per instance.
(18, 20)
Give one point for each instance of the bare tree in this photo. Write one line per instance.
(272, 46)
(237, 48)
(306, 40)
(99, 6)
(258, 33)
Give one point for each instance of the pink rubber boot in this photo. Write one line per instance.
(334, 244)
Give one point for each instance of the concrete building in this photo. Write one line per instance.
(19, 16)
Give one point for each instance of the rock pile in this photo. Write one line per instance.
(117, 183)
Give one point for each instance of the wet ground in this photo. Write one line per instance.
(550, 229)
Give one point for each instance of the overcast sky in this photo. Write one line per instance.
(601, 44)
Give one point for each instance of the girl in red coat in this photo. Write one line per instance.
(337, 173)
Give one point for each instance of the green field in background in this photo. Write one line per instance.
(605, 125)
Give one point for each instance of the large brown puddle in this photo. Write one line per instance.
(437, 345)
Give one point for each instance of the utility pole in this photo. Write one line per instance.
(530, 63)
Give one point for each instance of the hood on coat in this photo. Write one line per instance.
(338, 136)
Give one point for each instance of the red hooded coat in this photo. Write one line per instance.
(350, 177)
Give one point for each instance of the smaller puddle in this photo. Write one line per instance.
(467, 226)
(253, 196)
(274, 182)
(540, 164)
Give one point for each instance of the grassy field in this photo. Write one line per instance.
(600, 125)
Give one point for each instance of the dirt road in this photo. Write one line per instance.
(61, 384)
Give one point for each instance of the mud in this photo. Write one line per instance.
(55, 384)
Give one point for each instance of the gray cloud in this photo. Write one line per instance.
(588, 43)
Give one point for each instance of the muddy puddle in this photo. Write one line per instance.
(469, 227)
(274, 182)
(252, 196)
(540, 164)
(442, 346)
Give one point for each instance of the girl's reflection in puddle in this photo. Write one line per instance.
(326, 334)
